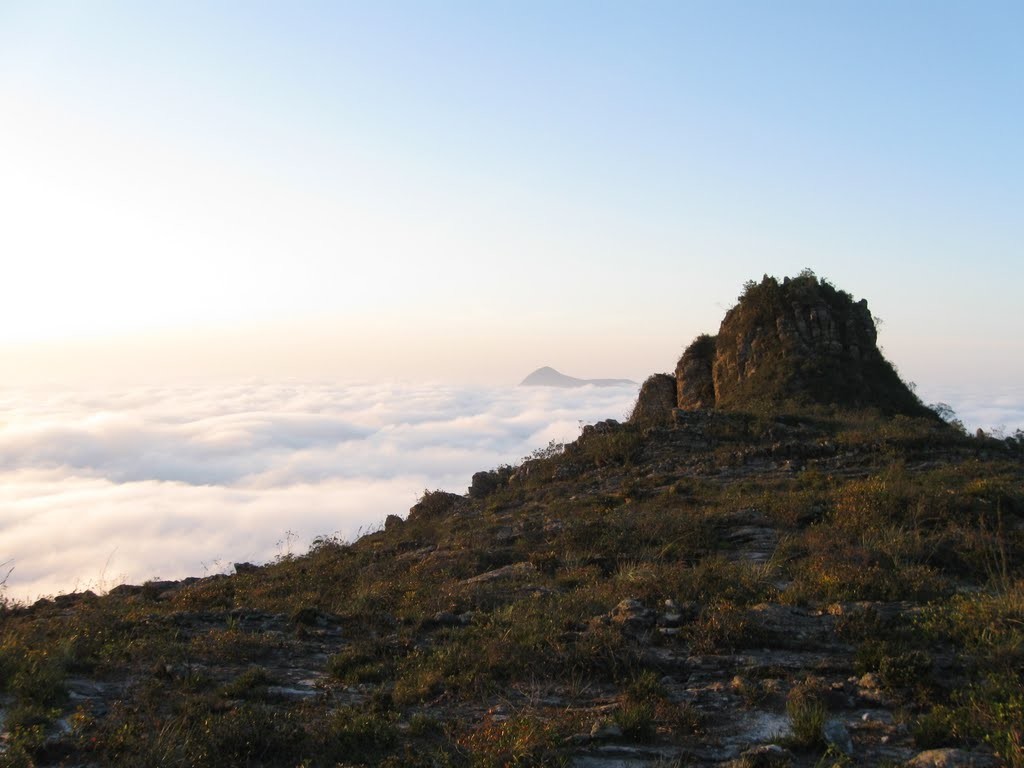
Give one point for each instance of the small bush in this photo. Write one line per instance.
(807, 716)
(722, 628)
(636, 719)
(646, 687)
(359, 663)
(937, 728)
(352, 734)
(523, 741)
(251, 684)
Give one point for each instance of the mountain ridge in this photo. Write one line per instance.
(547, 376)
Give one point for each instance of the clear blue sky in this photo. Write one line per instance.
(581, 184)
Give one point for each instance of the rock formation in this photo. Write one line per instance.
(800, 340)
(656, 400)
(695, 385)
(803, 340)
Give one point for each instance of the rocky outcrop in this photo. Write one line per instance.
(798, 340)
(487, 482)
(656, 400)
(804, 340)
(695, 385)
(435, 504)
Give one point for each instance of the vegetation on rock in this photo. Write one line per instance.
(800, 340)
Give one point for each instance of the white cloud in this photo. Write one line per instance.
(102, 487)
(999, 409)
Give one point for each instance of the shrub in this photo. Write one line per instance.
(352, 734)
(636, 719)
(807, 715)
(522, 741)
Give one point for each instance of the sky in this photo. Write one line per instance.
(469, 190)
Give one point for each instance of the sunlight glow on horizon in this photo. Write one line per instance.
(498, 188)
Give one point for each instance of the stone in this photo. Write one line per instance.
(514, 571)
(392, 522)
(605, 729)
(126, 590)
(633, 615)
(447, 619)
(434, 504)
(764, 756)
(601, 428)
(695, 386)
(805, 339)
(485, 483)
(655, 402)
(951, 758)
(837, 735)
(799, 339)
(503, 534)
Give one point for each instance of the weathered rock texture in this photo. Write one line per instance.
(434, 504)
(656, 401)
(797, 340)
(695, 385)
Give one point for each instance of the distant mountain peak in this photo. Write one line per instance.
(547, 376)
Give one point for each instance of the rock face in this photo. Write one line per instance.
(487, 482)
(656, 400)
(434, 504)
(796, 340)
(695, 383)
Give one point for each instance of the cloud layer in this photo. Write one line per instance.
(103, 487)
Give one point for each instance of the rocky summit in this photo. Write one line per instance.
(797, 341)
(782, 559)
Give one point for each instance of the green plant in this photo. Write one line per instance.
(521, 741)
(807, 715)
(636, 719)
(722, 627)
(834, 758)
(361, 662)
(646, 686)
(251, 684)
(353, 734)
(940, 727)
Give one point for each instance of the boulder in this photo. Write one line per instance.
(655, 402)
(485, 483)
(802, 339)
(632, 615)
(838, 736)
(434, 504)
(695, 385)
(951, 758)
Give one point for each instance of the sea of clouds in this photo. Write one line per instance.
(99, 488)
